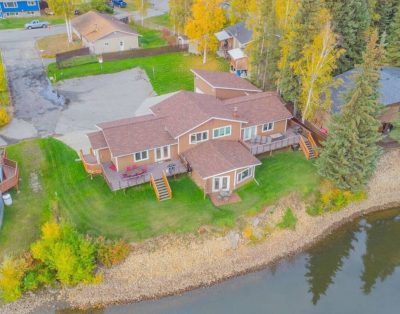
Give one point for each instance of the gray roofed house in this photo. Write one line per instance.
(389, 87)
(240, 32)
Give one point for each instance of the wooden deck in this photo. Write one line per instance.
(116, 181)
(268, 145)
(10, 175)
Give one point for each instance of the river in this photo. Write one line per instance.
(355, 270)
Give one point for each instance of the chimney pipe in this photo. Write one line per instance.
(235, 112)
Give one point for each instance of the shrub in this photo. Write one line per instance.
(11, 273)
(65, 252)
(4, 117)
(288, 221)
(248, 232)
(110, 253)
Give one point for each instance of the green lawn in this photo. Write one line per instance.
(162, 20)
(20, 22)
(167, 72)
(149, 38)
(134, 214)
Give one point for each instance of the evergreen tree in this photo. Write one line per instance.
(393, 41)
(350, 19)
(350, 152)
(385, 11)
(264, 50)
(302, 31)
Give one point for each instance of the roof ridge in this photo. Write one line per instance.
(240, 99)
(128, 122)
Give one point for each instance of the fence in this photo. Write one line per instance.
(138, 53)
(60, 57)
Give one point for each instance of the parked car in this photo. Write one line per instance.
(47, 11)
(36, 24)
(120, 3)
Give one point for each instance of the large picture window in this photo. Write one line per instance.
(143, 155)
(10, 4)
(221, 132)
(244, 174)
(198, 137)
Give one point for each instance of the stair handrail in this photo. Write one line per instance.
(153, 184)
(313, 144)
(304, 148)
(164, 176)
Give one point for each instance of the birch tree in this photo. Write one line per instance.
(66, 9)
(315, 70)
(179, 13)
(207, 19)
(142, 8)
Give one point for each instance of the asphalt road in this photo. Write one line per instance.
(36, 107)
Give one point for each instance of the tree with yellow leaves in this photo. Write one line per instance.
(207, 19)
(285, 10)
(239, 10)
(179, 13)
(315, 69)
(142, 7)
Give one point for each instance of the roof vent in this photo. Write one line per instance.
(235, 112)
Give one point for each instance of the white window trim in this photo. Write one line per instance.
(244, 132)
(31, 3)
(14, 6)
(238, 174)
(268, 123)
(197, 142)
(223, 127)
(221, 177)
(141, 152)
(165, 157)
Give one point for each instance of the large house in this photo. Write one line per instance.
(19, 8)
(389, 89)
(102, 33)
(215, 140)
(232, 43)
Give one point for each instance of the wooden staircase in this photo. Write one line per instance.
(309, 147)
(161, 187)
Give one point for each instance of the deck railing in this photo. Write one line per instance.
(313, 144)
(154, 185)
(304, 148)
(11, 181)
(164, 177)
(90, 168)
(268, 147)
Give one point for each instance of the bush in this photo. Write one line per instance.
(4, 117)
(110, 253)
(11, 273)
(334, 200)
(395, 134)
(288, 221)
(66, 253)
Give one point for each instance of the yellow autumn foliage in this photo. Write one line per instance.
(4, 117)
(11, 274)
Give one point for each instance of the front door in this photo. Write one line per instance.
(121, 45)
(221, 183)
(249, 133)
(162, 153)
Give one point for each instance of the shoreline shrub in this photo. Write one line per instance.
(288, 221)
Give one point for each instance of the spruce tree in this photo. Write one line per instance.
(385, 11)
(351, 19)
(305, 27)
(350, 152)
(393, 41)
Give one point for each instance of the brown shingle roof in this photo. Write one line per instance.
(93, 26)
(186, 110)
(132, 135)
(225, 80)
(97, 140)
(259, 108)
(219, 156)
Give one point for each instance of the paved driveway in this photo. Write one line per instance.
(42, 111)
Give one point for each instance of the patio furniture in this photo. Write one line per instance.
(277, 136)
(225, 195)
(297, 129)
(171, 169)
(128, 174)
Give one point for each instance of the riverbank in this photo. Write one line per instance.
(172, 265)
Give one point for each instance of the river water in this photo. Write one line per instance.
(355, 270)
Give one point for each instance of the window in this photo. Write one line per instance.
(249, 133)
(105, 44)
(12, 13)
(221, 183)
(31, 3)
(221, 132)
(30, 12)
(121, 43)
(244, 174)
(10, 5)
(198, 137)
(139, 156)
(162, 153)
(268, 127)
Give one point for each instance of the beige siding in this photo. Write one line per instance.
(184, 144)
(279, 127)
(104, 155)
(203, 86)
(111, 43)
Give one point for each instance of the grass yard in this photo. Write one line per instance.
(51, 45)
(149, 38)
(67, 191)
(161, 20)
(20, 22)
(167, 72)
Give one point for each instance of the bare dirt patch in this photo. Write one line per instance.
(49, 46)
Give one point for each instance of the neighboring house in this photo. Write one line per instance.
(19, 8)
(103, 33)
(389, 92)
(222, 85)
(193, 44)
(215, 140)
(232, 43)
